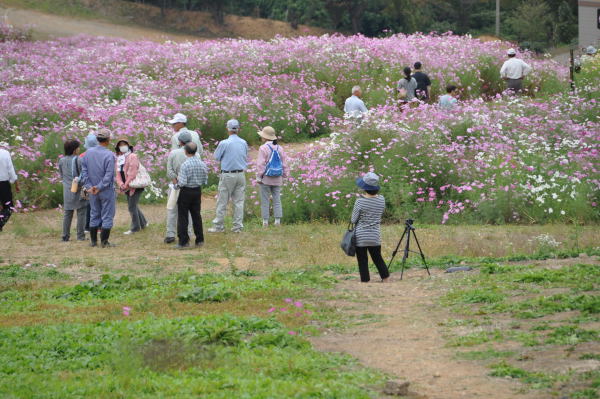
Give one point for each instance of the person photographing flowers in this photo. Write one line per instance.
(366, 217)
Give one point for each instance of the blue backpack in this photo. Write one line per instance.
(274, 166)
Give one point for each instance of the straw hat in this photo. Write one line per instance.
(268, 133)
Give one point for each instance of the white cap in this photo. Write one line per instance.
(511, 51)
(178, 118)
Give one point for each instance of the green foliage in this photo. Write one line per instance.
(537, 380)
(379, 17)
(210, 357)
(107, 287)
(14, 274)
(484, 354)
(571, 335)
(214, 293)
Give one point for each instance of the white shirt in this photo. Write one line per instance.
(7, 170)
(195, 139)
(354, 106)
(514, 68)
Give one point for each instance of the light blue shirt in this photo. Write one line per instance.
(447, 101)
(232, 153)
(354, 106)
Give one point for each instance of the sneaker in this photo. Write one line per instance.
(216, 230)
(199, 244)
(128, 232)
(93, 244)
(169, 240)
(179, 246)
(107, 244)
(265, 223)
(277, 222)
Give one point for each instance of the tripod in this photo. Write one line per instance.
(407, 230)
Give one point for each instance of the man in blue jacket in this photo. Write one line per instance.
(98, 176)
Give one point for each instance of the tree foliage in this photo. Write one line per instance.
(555, 20)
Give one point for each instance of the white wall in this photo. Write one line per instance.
(588, 26)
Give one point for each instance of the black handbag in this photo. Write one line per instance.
(348, 243)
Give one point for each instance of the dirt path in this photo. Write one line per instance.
(46, 26)
(409, 342)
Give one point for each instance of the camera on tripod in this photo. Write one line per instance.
(408, 228)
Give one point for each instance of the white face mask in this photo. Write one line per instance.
(124, 149)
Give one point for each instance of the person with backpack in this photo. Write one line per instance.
(271, 169)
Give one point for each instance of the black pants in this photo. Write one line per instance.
(6, 202)
(363, 262)
(189, 201)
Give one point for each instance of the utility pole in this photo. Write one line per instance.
(497, 18)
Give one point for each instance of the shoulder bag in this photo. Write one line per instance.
(348, 243)
(142, 179)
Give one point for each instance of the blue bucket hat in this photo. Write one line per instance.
(369, 181)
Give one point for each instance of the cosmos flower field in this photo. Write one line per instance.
(493, 159)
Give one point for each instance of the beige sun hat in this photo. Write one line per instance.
(268, 133)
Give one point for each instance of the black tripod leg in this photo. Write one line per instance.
(396, 250)
(406, 249)
(421, 252)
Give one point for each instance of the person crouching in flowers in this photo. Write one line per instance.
(271, 168)
(366, 216)
(127, 166)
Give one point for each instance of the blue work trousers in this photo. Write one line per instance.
(102, 207)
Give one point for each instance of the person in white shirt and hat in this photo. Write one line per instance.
(513, 71)
(179, 124)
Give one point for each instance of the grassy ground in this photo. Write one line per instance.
(233, 318)
(539, 325)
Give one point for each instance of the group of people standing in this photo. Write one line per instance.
(91, 181)
(416, 85)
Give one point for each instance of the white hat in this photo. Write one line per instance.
(590, 50)
(178, 118)
(511, 51)
(268, 133)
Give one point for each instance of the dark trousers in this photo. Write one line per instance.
(189, 201)
(6, 203)
(138, 220)
(363, 262)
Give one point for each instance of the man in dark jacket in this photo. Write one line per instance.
(423, 83)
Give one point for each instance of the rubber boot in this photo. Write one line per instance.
(104, 236)
(94, 236)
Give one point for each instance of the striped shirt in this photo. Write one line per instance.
(366, 215)
(193, 173)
